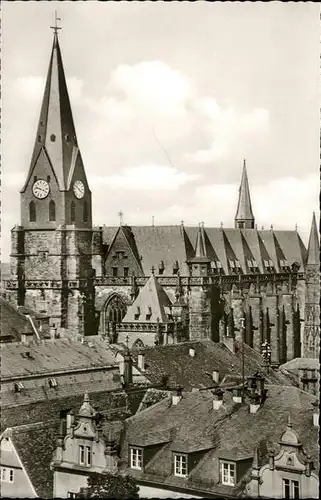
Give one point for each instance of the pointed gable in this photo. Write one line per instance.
(152, 304)
(313, 257)
(56, 131)
(268, 240)
(123, 254)
(292, 247)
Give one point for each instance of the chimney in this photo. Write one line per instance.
(27, 334)
(254, 403)
(216, 376)
(217, 398)
(70, 420)
(192, 352)
(176, 396)
(128, 368)
(141, 362)
(316, 414)
(271, 459)
(237, 395)
(259, 385)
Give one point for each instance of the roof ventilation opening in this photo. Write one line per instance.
(191, 352)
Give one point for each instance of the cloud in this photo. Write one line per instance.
(13, 179)
(29, 87)
(146, 177)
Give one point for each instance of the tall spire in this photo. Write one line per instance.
(244, 215)
(313, 247)
(200, 248)
(56, 134)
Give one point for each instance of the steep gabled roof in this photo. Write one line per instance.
(12, 322)
(151, 300)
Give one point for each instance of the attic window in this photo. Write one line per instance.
(149, 313)
(249, 263)
(228, 473)
(180, 465)
(213, 265)
(219, 265)
(52, 137)
(18, 386)
(53, 383)
(136, 458)
(255, 263)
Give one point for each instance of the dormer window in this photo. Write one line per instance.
(161, 267)
(149, 313)
(228, 473)
(180, 465)
(136, 458)
(18, 386)
(238, 265)
(232, 264)
(137, 313)
(53, 383)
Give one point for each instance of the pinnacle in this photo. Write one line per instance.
(244, 208)
(313, 247)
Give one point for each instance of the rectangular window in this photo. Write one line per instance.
(238, 265)
(115, 272)
(136, 458)
(228, 473)
(232, 263)
(126, 271)
(71, 494)
(286, 488)
(180, 465)
(88, 455)
(81, 454)
(7, 475)
(53, 382)
(296, 490)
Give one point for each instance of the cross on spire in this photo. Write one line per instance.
(120, 215)
(55, 28)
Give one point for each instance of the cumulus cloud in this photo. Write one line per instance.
(146, 177)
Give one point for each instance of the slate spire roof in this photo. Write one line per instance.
(313, 247)
(151, 301)
(244, 207)
(56, 135)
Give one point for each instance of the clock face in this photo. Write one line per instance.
(40, 189)
(79, 189)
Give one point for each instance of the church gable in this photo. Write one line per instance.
(151, 305)
(122, 258)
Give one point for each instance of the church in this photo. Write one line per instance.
(153, 284)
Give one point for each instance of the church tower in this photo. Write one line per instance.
(51, 249)
(200, 312)
(244, 218)
(311, 336)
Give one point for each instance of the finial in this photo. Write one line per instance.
(153, 270)
(55, 28)
(86, 397)
(221, 225)
(182, 223)
(289, 421)
(296, 227)
(120, 215)
(244, 162)
(271, 227)
(153, 220)
(202, 224)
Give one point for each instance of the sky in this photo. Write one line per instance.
(168, 99)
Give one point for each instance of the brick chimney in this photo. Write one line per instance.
(316, 414)
(191, 352)
(216, 376)
(217, 398)
(176, 396)
(254, 403)
(237, 395)
(141, 362)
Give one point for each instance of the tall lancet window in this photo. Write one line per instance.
(85, 212)
(32, 212)
(72, 211)
(52, 210)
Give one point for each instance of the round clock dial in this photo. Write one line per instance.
(40, 189)
(79, 189)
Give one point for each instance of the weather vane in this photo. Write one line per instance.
(55, 28)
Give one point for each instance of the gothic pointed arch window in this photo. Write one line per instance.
(52, 210)
(72, 211)
(114, 311)
(85, 212)
(32, 212)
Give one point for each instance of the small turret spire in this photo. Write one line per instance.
(244, 215)
(314, 246)
(200, 249)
